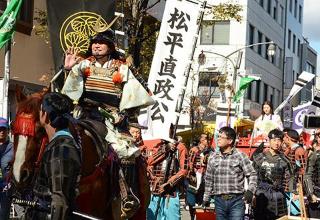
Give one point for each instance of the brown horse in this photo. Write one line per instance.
(98, 184)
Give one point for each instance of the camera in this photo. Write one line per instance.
(311, 121)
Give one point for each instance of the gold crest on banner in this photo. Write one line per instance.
(77, 29)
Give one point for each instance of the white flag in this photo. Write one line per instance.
(302, 80)
(171, 57)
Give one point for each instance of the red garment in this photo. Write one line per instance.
(156, 160)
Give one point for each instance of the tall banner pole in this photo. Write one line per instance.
(187, 72)
(6, 78)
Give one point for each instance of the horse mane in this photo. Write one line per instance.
(31, 105)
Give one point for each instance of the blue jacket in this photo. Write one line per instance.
(6, 156)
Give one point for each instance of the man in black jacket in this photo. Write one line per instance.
(56, 184)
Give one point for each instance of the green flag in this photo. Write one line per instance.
(244, 84)
(8, 21)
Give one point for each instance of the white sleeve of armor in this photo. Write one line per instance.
(73, 86)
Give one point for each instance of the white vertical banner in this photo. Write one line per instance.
(171, 58)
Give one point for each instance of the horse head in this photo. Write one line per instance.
(29, 136)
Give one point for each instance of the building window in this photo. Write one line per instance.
(295, 8)
(275, 11)
(257, 98)
(259, 41)
(265, 92)
(282, 15)
(299, 47)
(249, 89)
(206, 34)
(217, 33)
(266, 50)
(310, 68)
(280, 59)
(294, 43)
(300, 13)
(289, 39)
(251, 35)
(269, 7)
(290, 5)
(25, 17)
(261, 3)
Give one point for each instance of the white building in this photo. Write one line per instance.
(263, 21)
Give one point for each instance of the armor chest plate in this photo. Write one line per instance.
(100, 87)
(158, 174)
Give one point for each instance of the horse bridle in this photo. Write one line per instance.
(25, 124)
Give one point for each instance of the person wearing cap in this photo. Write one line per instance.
(6, 156)
(56, 185)
(272, 168)
(225, 178)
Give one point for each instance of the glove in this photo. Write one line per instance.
(205, 204)
(248, 195)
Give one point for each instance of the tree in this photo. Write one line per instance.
(142, 30)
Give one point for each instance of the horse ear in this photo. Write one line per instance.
(19, 94)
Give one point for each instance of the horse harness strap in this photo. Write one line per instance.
(44, 142)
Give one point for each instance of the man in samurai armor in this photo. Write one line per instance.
(272, 168)
(135, 173)
(166, 170)
(312, 178)
(297, 156)
(103, 77)
(197, 162)
(135, 131)
(106, 89)
(55, 187)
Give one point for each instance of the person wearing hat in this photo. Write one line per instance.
(55, 187)
(6, 156)
(103, 77)
(272, 166)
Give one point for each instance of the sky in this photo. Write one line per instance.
(311, 26)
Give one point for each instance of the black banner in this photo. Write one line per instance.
(71, 23)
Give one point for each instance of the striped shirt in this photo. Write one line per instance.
(226, 174)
